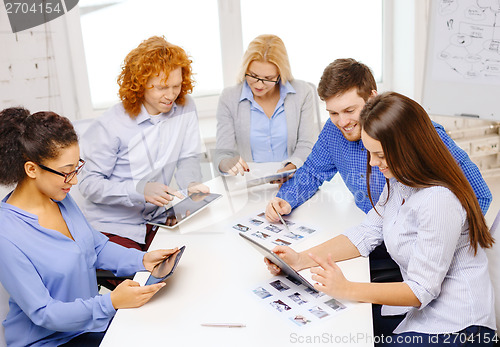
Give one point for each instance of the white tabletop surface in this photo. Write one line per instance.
(215, 277)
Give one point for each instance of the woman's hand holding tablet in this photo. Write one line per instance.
(166, 268)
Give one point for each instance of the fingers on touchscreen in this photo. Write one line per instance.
(164, 269)
(198, 196)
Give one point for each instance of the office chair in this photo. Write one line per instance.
(4, 309)
(382, 267)
(494, 265)
(316, 110)
(495, 227)
(108, 280)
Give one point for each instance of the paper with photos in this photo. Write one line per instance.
(272, 234)
(296, 303)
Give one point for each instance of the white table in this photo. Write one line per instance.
(216, 275)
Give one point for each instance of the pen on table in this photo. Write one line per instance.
(223, 325)
(281, 218)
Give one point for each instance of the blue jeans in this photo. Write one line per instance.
(471, 336)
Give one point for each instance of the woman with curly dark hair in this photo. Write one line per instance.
(48, 251)
(134, 148)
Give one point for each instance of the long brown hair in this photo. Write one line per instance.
(417, 157)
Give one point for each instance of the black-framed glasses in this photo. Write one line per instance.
(67, 176)
(254, 79)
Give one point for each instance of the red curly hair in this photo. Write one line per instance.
(149, 59)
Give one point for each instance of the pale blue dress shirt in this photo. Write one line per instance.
(268, 136)
(122, 154)
(51, 279)
(428, 237)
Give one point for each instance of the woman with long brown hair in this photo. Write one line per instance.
(432, 225)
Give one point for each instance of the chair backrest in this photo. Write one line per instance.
(494, 265)
(316, 107)
(4, 309)
(81, 126)
(495, 227)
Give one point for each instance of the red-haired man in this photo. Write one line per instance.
(134, 148)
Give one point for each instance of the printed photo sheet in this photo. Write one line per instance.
(272, 234)
(294, 302)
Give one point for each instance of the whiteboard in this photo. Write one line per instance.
(462, 69)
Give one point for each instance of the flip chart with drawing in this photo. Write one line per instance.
(462, 70)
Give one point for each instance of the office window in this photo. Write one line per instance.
(319, 31)
(315, 33)
(111, 28)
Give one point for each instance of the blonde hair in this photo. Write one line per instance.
(267, 48)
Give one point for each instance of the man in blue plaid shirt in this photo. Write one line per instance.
(345, 87)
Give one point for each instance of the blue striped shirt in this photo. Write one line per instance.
(428, 237)
(333, 153)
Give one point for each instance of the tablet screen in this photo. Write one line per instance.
(166, 268)
(187, 208)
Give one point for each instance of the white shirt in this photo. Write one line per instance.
(122, 154)
(428, 237)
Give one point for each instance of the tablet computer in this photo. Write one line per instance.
(287, 269)
(186, 209)
(269, 178)
(166, 268)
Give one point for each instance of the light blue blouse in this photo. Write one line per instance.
(268, 136)
(51, 279)
(428, 237)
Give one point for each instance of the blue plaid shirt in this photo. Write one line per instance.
(332, 153)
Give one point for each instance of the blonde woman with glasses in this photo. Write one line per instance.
(268, 115)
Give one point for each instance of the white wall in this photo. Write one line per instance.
(36, 69)
(44, 68)
(409, 28)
